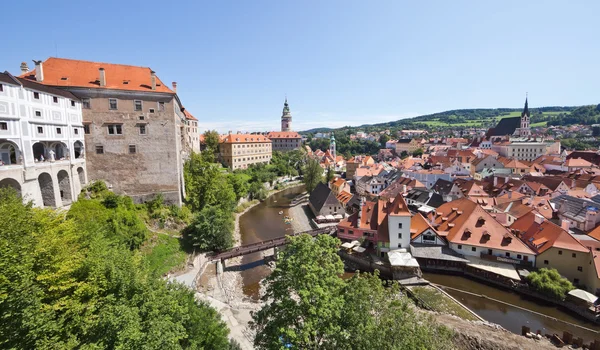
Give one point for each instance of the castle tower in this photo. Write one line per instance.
(332, 147)
(286, 117)
(525, 130)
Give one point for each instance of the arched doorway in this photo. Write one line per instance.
(11, 183)
(64, 185)
(61, 151)
(47, 189)
(81, 174)
(78, 149)
(9, 153)
(39, 151)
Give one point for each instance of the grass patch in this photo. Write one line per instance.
(163, 254)
(542, 124)
(440, 302)
(240, 208)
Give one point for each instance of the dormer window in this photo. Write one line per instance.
(480, 221)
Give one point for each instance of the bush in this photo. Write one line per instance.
(211, 230)
(550, 282)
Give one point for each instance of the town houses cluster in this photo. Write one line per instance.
(66, 122)
(498, 204)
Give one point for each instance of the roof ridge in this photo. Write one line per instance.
(87, 61)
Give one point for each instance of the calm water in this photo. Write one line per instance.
(261, 223)
(264, 222)
(509, 317)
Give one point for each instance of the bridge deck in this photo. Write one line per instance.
(263, 245)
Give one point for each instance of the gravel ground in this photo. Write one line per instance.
(302, 216)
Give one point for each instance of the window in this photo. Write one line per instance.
(399, 236)
(3, 126)
(473, 249)
(161, 106)
(54, 99)
(99, 149)
(151, 110)
(38, 113)
(579, 268)
(132, 149)
(141, 117)
(576, 280)
(85, 102)
(112, 103)
(72, 103)
(76, 131)
(429, 238)
(40, 130)
(142, 129)
(399, 245)
(545, 262)
(86, 129)
(560, 252)
(137, 105)
(519, 256)
(400, 225)
(115, 129)
(574, 255)
(36, 95)
(507, 254)
(1, 87)
(58, 131)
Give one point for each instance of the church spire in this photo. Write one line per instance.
(526, 109)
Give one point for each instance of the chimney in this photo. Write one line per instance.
(39, 71)
(153, 79)
(24, 68)
(174, 84)
(540, 219)
(404, 189)
(360, 208)
(565, 224)
(229, 132)
(495, 181)
(509, 194)
(102, 76)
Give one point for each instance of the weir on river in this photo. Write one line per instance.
(263, 222)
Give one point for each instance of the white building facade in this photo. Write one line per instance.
(41, 142)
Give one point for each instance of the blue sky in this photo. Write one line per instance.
(339, 62)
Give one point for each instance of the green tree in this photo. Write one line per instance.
(383, 139)
(206, 184)
(311, 307)
(329, 175)
(211, 140)
(550, 282)
(418, 152)
(313, 174)
(403, 154)
(304, 291)
(212, 229)
(240, 183)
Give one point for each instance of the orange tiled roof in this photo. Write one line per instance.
(283, 135)
(77, 73)
(344, 197)
(541, 237)
(188, 115)
(244, 138)
(575, 162)
(468, 223)
(418, 225)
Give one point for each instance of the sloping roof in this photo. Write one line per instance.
(592, 157)
(8, 78)
(578, 162)
(541, 237)
(283, 135)
(574, 208)
(244, 138)
(322, 195)
(188, 115)
(77, 73)
(514, 208)
(506, 126)
(583, 295)
(468, 223)
(442, 187)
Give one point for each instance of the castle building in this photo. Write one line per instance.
(332, 147)
(286, 117)
(238, 151)
(134, 125)
(42, 153)
(285, 140)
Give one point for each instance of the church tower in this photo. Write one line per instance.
(332, 147)
(525, 131)
(286, 117)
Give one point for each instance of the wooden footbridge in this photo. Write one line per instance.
(264, 245)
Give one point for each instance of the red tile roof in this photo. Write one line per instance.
(85, 74)
(541, 237)
(244, 138)
(188, 115)
(468, 223)
(283, 135)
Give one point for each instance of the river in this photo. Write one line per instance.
(264, 222)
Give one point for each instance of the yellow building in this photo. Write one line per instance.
(238, 151)
(407, 145)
